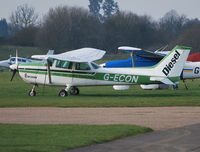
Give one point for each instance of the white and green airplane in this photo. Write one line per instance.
(76, 68)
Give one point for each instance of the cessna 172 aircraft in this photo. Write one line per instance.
(5, 64)
(76, 68)
(144, 58)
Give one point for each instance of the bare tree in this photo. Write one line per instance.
(69, 27)
(171, 25)
(23, 17)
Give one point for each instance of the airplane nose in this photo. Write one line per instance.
(3, 64)
(13, 67)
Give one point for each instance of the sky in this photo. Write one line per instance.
(155, 8)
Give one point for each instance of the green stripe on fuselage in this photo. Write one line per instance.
(33, 64)
(123, 78)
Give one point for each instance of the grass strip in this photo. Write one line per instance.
(56, 138)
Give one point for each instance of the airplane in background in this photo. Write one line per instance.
(144, 58)
(5, 64)
(76, 68)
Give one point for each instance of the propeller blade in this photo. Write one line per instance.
(16, 59)
(13, 75)
(14, 67)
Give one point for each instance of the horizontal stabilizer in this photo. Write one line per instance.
(50, 52)
(163, 80)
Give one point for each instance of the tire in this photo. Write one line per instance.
(63, 93)
(74, 91)
(32, 93)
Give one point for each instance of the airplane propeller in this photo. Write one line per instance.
(14, 67)
(14, 72)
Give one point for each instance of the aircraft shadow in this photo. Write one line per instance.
(133, 95)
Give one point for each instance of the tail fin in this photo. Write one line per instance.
(50, 52)
(172, 64)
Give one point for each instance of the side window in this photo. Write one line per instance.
(82, 66)
(63, 64)
(51, 61)
(23, 60)
(12, 59)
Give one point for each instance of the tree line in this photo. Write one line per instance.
(67, 28)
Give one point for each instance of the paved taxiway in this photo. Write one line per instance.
(158, 118)
(161, 119)
(183, 139)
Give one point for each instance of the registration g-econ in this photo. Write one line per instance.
(76, 68)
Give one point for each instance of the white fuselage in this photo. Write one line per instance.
(100, 76)
(38, 74)
(191, 70)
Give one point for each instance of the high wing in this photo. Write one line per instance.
(79, 55)
(142, 53)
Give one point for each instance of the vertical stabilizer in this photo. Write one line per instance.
(172, 64)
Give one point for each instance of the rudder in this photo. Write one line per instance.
(172, 64)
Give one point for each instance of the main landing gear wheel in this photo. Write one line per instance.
(74, 91)
(32, 93)
(63, 93)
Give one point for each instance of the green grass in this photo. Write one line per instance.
(57, 138)
(14, 94)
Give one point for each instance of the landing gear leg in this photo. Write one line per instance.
(175, 87)
(32, 92)
(185, 85)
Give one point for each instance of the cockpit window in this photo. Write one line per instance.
(94, 65)
(23, 60)
(19, 60)
(82, 66)
(12, 59)
(63, 64)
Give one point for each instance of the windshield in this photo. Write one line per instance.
(94, 65)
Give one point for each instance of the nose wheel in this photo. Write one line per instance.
(32, 92)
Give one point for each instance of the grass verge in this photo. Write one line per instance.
(55, 138)
(14, 94)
